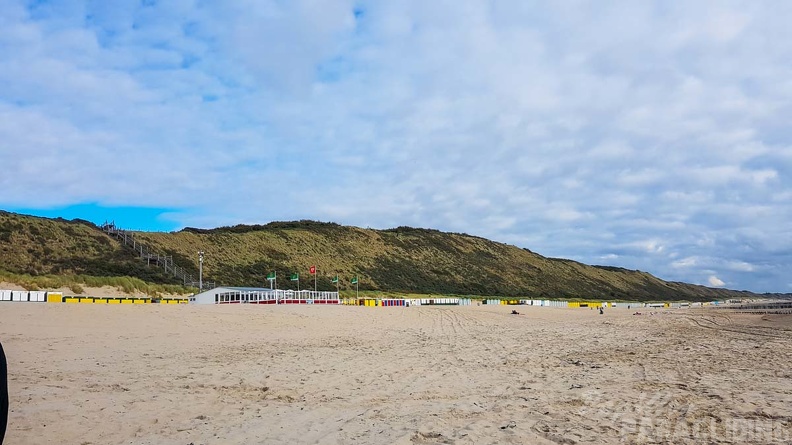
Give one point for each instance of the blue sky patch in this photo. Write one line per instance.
(132, 218)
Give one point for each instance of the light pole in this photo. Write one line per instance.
(200, 270)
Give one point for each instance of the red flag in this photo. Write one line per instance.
(313, 270)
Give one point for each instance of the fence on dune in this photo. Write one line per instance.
(152, 259)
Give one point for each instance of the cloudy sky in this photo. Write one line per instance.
(652, 135)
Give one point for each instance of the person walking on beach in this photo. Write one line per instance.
(3, 394)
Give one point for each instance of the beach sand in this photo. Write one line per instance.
(167, 374)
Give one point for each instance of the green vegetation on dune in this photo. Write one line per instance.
(407, 260)
(43, 246)
(401, 260)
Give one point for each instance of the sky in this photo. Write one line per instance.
(650, 135)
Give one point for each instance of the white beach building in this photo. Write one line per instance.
(261, 295)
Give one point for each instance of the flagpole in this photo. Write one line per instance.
(273, 283)
(316, 274)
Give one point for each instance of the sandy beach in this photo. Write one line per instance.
(153, 374)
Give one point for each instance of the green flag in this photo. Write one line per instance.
(295, 277)
(271, 276)
(354, 280)
(335, 279)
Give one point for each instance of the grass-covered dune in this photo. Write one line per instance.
(401, 260)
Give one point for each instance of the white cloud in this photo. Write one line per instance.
(740, 266)
(715, 281)
(688, 262)
(650, 137)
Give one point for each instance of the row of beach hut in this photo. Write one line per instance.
(58, 297)
(406, 302)
(269, 296)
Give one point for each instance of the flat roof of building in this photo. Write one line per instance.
(246, 289)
